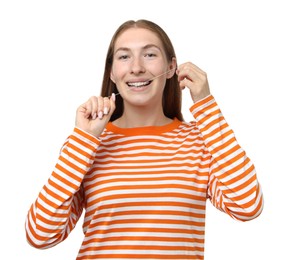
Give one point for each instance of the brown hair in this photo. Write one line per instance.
(172, 96)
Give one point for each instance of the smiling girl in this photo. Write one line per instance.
(142, 174)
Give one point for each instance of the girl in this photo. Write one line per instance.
(141, 173)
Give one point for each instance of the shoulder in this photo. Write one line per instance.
(188, 127)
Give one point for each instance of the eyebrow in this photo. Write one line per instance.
(147, 46)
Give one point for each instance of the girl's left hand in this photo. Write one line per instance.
(192, 77)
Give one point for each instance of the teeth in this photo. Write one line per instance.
(138, 84)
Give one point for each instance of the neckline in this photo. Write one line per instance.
(145, 130)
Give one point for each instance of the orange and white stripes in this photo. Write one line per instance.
(144, 190)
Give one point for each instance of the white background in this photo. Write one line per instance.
(52, 58)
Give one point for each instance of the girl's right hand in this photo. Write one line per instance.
(93, 115)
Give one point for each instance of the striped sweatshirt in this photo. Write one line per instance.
(144, 190)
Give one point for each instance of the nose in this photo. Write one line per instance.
(137, 66)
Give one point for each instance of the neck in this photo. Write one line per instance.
(142, 116)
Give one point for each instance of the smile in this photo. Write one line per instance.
(139, 84)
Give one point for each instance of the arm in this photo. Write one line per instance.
(233, 184)
(59, 205)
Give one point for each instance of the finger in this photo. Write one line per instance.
(199, 70)
(190, 70)
(92, 103)
(185, 83)
(190, 65)
(106, 105)
(188, 74)
(86, 108)
(185, 72)
(100, 107)
(112, 103)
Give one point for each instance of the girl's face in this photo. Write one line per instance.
(138, 57)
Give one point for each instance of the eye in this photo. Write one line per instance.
(150, 55)
(123, 57)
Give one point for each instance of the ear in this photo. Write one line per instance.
(112, 77)
(172, 67)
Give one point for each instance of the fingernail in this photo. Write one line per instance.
(114, 97)
(93, 116)
(100, 114)
(105, 111)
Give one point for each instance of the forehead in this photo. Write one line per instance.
(137, 38)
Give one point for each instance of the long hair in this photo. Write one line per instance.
(172, 97)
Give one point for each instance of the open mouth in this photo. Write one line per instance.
(139, 84)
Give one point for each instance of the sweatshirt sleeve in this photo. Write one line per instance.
(233, 185)
(59, 204)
